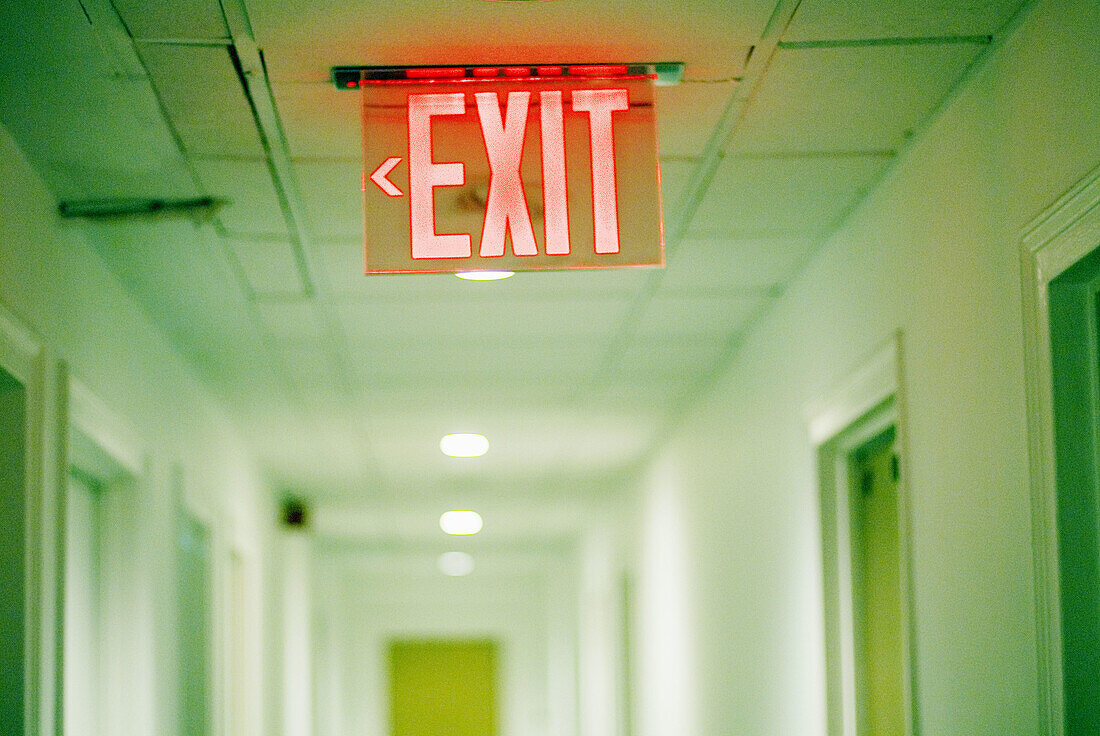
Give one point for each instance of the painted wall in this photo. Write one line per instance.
(141, 399)
(932, 252)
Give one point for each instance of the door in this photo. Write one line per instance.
(1074, 299)
(876, 587)
(443, 688)
(13, 520)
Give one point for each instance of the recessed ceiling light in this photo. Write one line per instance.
(484, 275)
(460, 522)
(455, 564)
(464, 444)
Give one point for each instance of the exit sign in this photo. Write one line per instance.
(516, 168)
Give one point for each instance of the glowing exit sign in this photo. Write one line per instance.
(518, 168)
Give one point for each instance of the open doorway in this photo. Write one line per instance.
(13, 551)
(866, 578)
(96, 574)
(1074, 303)
(857, 430)
(1061, 298)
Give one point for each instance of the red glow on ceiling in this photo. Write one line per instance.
(599, 70)
(446, 72)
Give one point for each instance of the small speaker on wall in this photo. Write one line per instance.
(295, 512)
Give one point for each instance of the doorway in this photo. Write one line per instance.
(865, 553)
(443, 687)
(13, 552)
(1074, 313)
(876, 585)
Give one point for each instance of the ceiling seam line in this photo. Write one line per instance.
(702, 177)
(199, 42)
(311, 288)
(857, 43)
(252, 71)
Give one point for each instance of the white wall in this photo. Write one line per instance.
(142, 398)
(933, 252)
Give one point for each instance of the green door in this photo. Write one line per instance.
(443, 688)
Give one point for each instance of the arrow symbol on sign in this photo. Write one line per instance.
(379, 176)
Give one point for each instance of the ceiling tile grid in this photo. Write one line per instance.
(269, 266)
(702, 265)
(332, 192)
(848, 99)
(319, 120)
(818, 20)
(593, 317)
(783, 194)
(203, 98)
(175, 19)
(301, 40)
(252, 204)
(561, 369)
(687, 114)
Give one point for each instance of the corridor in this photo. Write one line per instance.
(765, 402)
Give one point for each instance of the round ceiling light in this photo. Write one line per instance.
(464, 444)
(461, 522)
(455, 564)
(484, 275)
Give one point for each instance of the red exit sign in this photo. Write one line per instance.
(518, 168)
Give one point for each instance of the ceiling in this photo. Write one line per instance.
(788, 114)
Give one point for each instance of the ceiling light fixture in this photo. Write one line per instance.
(455, 564)
(484, 275)
(464, 444)
(460, 523)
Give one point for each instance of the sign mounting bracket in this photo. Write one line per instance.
(666, 74)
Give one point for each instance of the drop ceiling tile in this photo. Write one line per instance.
(707, 265)
(32, 34)
(311, 371)
(291, 322)
(477, 320)
(861, 19)
(848, 99)
(85, 149)
(687, 114)
(679, 315)
(661, 355)
(319, 120)
(711, 36)
(647, 392)
(178, 19)
(790, 195)
(675, 177)
(343, 262)
(253, 206)
(494, 358)
(333, 195)
(203, 98)
(270, 266)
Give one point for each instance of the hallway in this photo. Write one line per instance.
(780, 435)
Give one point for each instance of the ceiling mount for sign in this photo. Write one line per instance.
(666, 74)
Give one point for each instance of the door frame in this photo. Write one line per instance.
(860, 408)
(1051, 243)
(44, 377)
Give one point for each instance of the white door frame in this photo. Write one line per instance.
(866, 404)
(27, 358)
(1051, 243)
